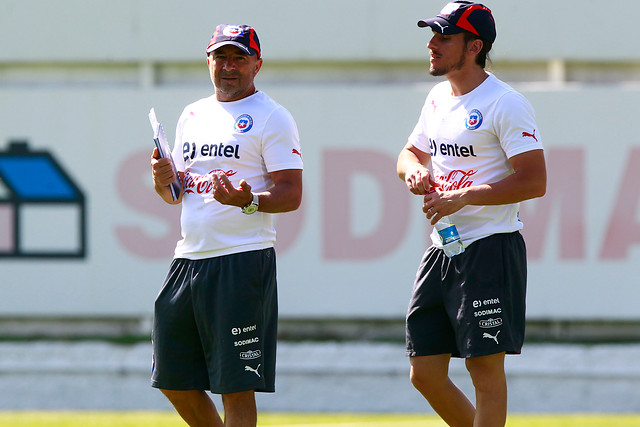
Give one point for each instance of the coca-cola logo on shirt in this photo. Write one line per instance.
(456, 179)
(201, 184)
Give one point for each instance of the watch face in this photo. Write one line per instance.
(250, 209)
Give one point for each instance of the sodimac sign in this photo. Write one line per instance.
(564, 205)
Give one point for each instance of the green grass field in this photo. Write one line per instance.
(170, 419)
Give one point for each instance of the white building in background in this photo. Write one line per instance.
(77, 79)
(42, 211)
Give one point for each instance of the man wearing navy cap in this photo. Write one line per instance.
(474, 155)
(238, 156)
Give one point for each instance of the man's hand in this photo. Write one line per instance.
(163, 175)
(438, 204)
(161, 169)
(419, 180)
(412, 169)
(225, 193)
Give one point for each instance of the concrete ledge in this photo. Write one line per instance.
(561, 331)
(297, 329)
(319, 377)
(16, 328)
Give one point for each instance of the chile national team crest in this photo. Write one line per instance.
(243, 123)
(233, 31)
(474, 120)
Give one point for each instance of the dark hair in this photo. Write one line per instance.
(483, 55)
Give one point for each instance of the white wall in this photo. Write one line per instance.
(298, 30)
(76, 80)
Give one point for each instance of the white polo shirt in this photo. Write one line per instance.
(470, 139)
(245, 139)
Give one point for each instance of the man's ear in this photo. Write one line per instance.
(475, 46)
(258, 66)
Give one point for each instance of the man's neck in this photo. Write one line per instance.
(236, 96)
(464, 81)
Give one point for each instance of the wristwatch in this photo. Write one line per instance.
(252, 206)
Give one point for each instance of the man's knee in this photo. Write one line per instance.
(181, 397)
(240, 408)
(171, 393)
(239, 399)
(486, 371)
(429, 372)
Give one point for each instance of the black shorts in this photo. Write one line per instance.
(472, 304)
(215, 324)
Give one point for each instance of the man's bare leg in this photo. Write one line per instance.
(489, 380)
(240, 409)
(195, 407)
(430, 375)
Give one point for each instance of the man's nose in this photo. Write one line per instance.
(229, 64)
(431, 43)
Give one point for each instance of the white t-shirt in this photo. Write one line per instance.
(245, 139)
(470, 139)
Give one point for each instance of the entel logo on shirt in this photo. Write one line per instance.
(452, 150)
(243, 123)
(474, 120)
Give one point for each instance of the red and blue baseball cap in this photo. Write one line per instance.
(459, 16)
(242, 36)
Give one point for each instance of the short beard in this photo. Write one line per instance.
(436, 72)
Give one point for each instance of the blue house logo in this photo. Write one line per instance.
(42, 211)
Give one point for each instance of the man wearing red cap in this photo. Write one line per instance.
(474, 155)
(237, 154)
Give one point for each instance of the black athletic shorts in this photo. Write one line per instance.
(215, 324)
(472, 304)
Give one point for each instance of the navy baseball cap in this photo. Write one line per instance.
(242, 36)
(459, 16)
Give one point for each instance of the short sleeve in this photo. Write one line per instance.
(419, 137)
(516, 125)
(176, 153)
(281, 143)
